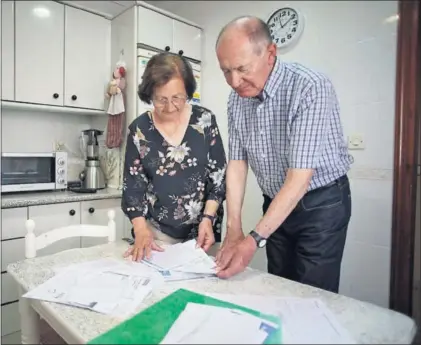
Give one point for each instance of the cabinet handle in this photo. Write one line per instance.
(180, 52)
(55, 95)
(74, 97)
(91, 210)
(72, 212)
(167, 48)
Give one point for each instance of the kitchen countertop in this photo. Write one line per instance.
(366, 323)
(55, 197)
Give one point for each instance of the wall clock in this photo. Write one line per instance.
(286, 26)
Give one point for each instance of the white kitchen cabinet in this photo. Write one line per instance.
(87, 59)
(187, 40)
(49, 217)
(10, 321)
(13, 222)
(7, 50)
(39, 56)
(96, 212)
(154, 29)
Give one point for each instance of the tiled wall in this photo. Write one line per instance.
(354, 42)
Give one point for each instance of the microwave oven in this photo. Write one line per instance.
(23, 172)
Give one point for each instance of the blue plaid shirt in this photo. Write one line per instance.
(294, 124)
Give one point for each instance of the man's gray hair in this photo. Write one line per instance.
(255, 28)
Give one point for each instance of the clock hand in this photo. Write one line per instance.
(286, 23)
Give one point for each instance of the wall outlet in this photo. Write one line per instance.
(356, 142)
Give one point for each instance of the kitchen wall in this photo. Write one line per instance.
(38, 131)
(354, 42)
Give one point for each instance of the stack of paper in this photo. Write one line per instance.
(106, 286)
(304, 320)
(206, 324)
(182, 261)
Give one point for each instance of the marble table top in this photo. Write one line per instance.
(366, 323)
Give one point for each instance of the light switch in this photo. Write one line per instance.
(356, 142)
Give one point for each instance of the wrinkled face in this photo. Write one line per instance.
(170, 99)
(244, 69)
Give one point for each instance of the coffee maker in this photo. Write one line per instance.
(92, 176)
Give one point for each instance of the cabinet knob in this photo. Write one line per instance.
(74, 97)
(91, 210)
(180, 52)
(72, 212)
(167, 48)
(55, 95)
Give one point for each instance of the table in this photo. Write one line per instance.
(367, 323)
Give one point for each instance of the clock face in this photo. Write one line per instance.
(285, 26)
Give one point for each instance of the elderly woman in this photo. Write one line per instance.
(174, 174)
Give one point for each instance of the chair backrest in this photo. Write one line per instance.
(34, 243)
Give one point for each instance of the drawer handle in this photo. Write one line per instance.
(167, 48)
(55, 95)
(74, 97)
(91, 210)
(180, 52)
(72, 212)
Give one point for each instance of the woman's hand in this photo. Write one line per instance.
(143, 245)
(205, 238)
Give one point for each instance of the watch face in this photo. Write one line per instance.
(262, 243)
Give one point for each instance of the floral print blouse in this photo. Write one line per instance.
(169, 185)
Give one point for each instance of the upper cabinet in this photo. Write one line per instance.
(87, 59)
(154, 29)
(162, 32)
(62, 55)
(39, 52)
(7, 50)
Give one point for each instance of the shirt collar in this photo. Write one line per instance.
(273, 81)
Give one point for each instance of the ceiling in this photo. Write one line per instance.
(108, 9)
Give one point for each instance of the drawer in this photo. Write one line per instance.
(9, 288)
(12, 339)
(13, 222)
(10, 318)
(12, 251)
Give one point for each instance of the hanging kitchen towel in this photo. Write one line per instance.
(116, 108)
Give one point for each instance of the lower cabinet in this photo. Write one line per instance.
(46, 217)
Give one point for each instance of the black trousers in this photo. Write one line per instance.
(308, 247)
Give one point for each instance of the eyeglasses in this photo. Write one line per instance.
(175, 100)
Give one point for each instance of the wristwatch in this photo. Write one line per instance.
(260, 241)
(212, 218)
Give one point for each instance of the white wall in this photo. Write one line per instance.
(351, 42)
(37, 131)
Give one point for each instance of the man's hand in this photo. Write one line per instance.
(238, 259)
(205, 238)
(231, 240)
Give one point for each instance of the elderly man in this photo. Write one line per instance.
(284, 121)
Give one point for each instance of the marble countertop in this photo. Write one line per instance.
(56, 197)
(367, 323)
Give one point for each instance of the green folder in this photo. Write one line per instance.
(151, 325)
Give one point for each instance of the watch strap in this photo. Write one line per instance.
(260, 240)
(212, 218)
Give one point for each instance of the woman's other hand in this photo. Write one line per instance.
(143, 245)
(205, 238)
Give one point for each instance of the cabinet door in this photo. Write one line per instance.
(48, 217)
(39, 52)
(96, 212)
(87, 59)
(13, 222)
(154, 29)
(187, 40)
(7, 50)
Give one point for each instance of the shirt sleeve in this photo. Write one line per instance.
(134, 202)
(217, 164)
(310, 125)
(236, 150)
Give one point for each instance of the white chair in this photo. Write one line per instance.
(34, 243)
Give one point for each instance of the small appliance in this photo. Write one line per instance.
(92, 176)
(24, 172)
